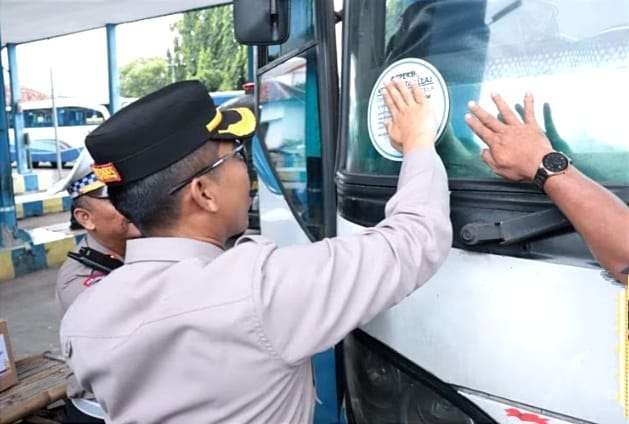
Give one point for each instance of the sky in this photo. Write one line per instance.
(79, 61)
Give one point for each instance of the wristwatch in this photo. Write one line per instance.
(553, 163)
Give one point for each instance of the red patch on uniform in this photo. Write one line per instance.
(526, 416)
(94, 278)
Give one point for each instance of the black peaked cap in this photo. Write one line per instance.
(160, 129)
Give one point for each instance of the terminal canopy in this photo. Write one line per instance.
(22, 21)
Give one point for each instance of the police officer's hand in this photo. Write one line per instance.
(516, 148)
(412, 123)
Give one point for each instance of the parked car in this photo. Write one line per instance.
(46, 151)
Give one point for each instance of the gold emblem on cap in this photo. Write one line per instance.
(107, 173)
(244, 126)
(215, 122)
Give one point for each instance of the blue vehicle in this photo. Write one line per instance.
(75, 119)
(46, 151)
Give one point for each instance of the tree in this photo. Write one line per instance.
(205, 49)
(143, 76)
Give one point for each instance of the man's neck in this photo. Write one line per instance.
(117, 249)
(190, 234)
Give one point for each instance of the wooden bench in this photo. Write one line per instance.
(41, 381)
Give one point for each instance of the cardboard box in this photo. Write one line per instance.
(8, 373)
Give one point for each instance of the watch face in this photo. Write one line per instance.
(555, 162)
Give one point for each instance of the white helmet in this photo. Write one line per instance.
(81, 180)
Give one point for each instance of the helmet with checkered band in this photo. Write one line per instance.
(81, 179)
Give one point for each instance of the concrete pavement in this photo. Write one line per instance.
(28, 304)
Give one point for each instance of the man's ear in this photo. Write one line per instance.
(204, 192)
(84, 217)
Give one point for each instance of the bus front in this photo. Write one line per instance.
(518, 327)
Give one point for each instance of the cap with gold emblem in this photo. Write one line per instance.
(160, 129)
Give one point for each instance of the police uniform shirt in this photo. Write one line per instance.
(74, 277)
(192, 334)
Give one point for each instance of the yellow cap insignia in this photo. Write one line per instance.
(245, 126)
(215, 122)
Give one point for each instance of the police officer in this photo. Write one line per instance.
(107, 231)
(186, 332)
(101, 250)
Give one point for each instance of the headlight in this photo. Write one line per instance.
(382, 387)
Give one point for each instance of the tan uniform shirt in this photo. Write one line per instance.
(73, 278)
(187, 333)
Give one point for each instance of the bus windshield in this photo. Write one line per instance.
(576, 66)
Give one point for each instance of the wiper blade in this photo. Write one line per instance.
(516, 229)
(505, 11)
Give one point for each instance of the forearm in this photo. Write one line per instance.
(331, 287)
(600, 217)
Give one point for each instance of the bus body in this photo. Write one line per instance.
(75, 120)
(523, 328)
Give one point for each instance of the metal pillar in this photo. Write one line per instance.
(251, 74)
(16, 109)
(112, 66)
(9, 233)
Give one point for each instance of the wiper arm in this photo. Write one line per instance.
(505, 11)
(514, 230)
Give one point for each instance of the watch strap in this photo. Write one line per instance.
(540, 178)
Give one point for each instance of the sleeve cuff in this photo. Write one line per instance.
(417, 161)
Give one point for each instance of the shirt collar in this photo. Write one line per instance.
(169, 249)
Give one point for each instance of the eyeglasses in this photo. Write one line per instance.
(239, 150)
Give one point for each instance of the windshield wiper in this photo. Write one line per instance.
(505, 11)
(514, 230)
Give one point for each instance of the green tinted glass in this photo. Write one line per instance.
(301, 29)
(575, 65)
(289, 128)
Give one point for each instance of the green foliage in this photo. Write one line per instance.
(143, 76)
(395, 8)
(205, 49)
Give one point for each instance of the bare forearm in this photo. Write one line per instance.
(600, 217)
(516, 149)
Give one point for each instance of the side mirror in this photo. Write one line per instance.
(261, 22)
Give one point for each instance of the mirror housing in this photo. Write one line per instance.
(261, 22)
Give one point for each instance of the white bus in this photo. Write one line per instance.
(517, 327)
(76, 118)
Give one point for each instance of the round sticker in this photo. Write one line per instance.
(413, 71)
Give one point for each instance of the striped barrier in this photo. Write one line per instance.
(25, 208)
(26, 183)
(28, 258)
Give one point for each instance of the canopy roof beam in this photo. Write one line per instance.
(22, 21)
